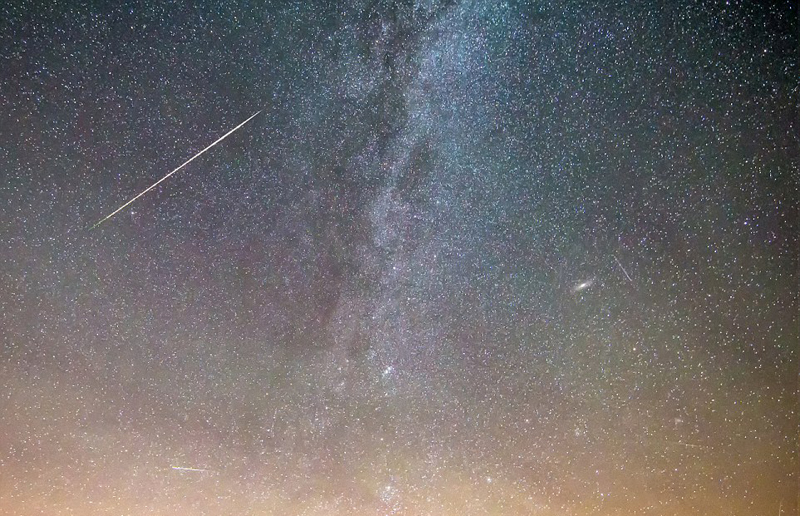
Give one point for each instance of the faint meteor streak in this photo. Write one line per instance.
(198, 470)
(690, 445)
(623, 269)
(180, 167)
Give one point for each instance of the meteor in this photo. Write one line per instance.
(623, 269)
(198, 470)
(180, 167)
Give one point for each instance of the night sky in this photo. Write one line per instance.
(473, 258)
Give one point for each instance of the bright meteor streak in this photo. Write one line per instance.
(180, 167)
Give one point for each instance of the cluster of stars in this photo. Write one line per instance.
(471, 258)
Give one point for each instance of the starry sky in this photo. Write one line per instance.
(473, 258)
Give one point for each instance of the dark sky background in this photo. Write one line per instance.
(472, 258)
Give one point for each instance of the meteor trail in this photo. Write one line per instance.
(180, 167)
(181, 468)
(623, 269)
(690, 445)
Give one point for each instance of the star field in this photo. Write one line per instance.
(473, 258)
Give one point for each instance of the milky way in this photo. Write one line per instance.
(472, 258)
